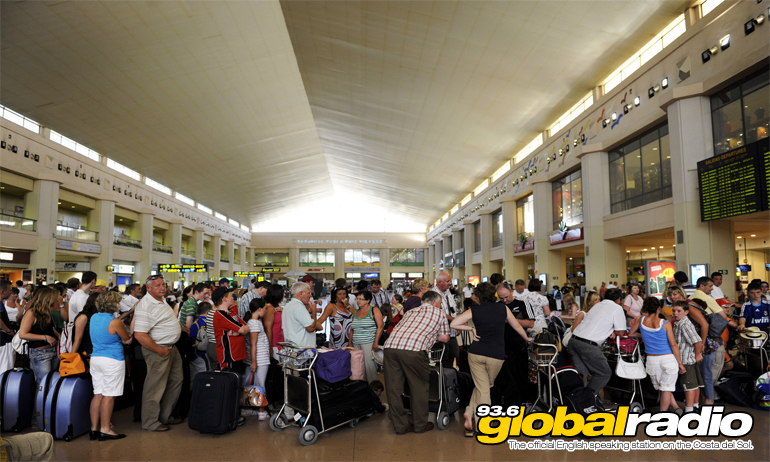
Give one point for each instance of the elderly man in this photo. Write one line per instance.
(298, 326)
(157, 329)
(258, 291)
(405, 359)
(604, 318)
(517, 358)
(449, 307)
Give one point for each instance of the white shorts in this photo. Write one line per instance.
(663, 371)
(108, 375)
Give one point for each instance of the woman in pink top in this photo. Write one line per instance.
(271, 320)
(633, 302)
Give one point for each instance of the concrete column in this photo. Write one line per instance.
(604, 259)
(457, 244)
(230, 248)
(430, 274)
(486, 243)
(242, 257)
(547, 261)
(471, 269)
(216, 243)
(41, 205)
(102, 219)
(691, 140)
(198, 245)
(294, 260)
(144, 267)
(385, 267)
(339, 263)
(515, 267)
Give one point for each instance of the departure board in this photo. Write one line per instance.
(766, 176)
(191, 268)
(730, 184)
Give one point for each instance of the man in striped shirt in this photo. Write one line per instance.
(259, 291)
(379, 296)
(406, 359)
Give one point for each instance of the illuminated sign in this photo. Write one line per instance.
(271, 270)
(246, 274)
(202, 268)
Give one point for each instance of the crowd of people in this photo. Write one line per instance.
(161, 339)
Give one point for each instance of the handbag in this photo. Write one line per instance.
(626, 369)
(565, 340)
(253, 395)
(202, 339)
(19, 345)
(73, 364)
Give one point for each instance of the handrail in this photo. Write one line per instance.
(161, 248)
(65, 230)
(126, 241)
(12, 221)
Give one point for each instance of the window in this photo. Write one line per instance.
(316, 257)
(184, 199)
(19, 119)
(448, 260)
(271, 259)
(155, 185)
(124, 170)
(480, 188)
(233, 222)
(708, 6)
(525, 215)
(407, 257)
(77, 147)
(739, 114)
(572, 114)
(497, 228)
(568, 200)
(640, 171)
(368, 256)
(465, 200)
(245, 228)
(477, 237)
(502, 170)
(534, 144)
(205, 209)
(220, 216)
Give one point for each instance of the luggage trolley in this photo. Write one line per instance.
(629, 352)
(301, 395)
(543, 355)
(437, 400)
(755, 353)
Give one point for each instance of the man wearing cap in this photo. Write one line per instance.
(406, 360)
(756, 311)
(157, 329)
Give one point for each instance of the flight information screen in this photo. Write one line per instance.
(731, 184)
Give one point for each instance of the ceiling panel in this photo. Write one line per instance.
(272, 112)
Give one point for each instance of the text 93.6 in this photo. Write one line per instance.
(497, 411)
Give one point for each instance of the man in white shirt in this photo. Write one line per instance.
(298, 327)
(604, 318)
(449, 307)
(131, 298)
(467, 294)
(611, 285)
(79, 298)
(22, 290)
(379, 296)
(520, 289)
(717, 293)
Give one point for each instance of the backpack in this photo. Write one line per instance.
(202, 339)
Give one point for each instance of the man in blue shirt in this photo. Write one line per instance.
(755, 312)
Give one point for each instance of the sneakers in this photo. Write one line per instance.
(249, 412)
(263, 415)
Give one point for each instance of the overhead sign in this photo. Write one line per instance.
(73, 266)
(362, 269)
(245, 274)
(78, 246)
(122, 269)
(271, 270)
(176, 268)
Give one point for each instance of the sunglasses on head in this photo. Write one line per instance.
(154, 277)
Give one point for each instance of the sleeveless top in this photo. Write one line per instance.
(340, 327)
(85, 343)
(364, 329)
(106, 345)
(489, 320)
(37, 330)
(655, 340)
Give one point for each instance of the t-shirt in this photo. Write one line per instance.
(77, 302)
(243, 303)
(412, 302)
(489, 320)
(229, 348)
(535, 302)
(199, 324)
(448, 306)
(717, 293)
(156, 318)
(634, 306)
(263, 348)
(467, 292)
(189, 308)
(604, 318)
(22, 293)
(756, 315)
(295, 319)
(521, 295)
(713, 306)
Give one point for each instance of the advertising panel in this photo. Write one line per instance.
(658, 273)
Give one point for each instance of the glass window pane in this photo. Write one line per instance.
(577, 201)
(419, 256)
(330, 256)
(557, 207)
(375, 255)
(633, 167)
(653, 196)
(348, 255)
(665, 161)
(756, 114)
(367, 255)
(566, 202)
(728, 127)
(650, 162)
(757, 82)
(303, 257)
(725, 97)
(617, 182)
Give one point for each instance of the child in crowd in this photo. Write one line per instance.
(690, 348)
(199, 359)
(664, 363)
(377, 388)
(258, 349)
(397, 310)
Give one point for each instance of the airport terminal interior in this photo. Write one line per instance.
(579, 143)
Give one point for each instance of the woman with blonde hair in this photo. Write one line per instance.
(38, 329)
(419, 287)
(592, 298)
(570, 308)
(108, 364)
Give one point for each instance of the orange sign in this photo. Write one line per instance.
(474, 280)
(659, 272)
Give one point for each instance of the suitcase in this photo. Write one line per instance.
(17, 399)
(333, 365)
(48, 382)
(466, 387)
(736, 388)
(569, 379)
(451, 391)
(68, 407)
(215, 398)
(357, 370)
(341, 402)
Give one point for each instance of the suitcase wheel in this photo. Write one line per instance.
(67, 438)
(276, 422)
(307, 435)
(442, 420)
(15, 429)
(353, 423)
(635, 408)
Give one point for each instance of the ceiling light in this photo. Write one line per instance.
(714, 49)
(59, 203)
(753, 235)
(740, 237)
(614, 116)
(628, 251)
(724, 43)
(664, 82)
(748, 27)
(626, 108)
(705, 56)
(651, 92)
(604, 123)
(645, 250)
(637, 101)
(73, 206)
(673, 245)
(656, 88)
(583, 138)
(760, 19)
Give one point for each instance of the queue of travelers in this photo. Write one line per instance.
(168, 338)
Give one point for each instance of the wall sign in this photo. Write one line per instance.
(362, 269)
(271, 270)
(614, 276)
(177, 268)
(246, 274)
(78, 246)
(75, 266)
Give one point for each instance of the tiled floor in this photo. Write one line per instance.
(371, 440)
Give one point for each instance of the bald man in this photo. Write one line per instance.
(449, 307)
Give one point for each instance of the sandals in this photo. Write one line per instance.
(469, 432)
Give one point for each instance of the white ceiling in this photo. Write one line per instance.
(279, 114)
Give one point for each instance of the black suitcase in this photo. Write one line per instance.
(341, 402)
(736, 388)
(215, 399)
(466, 388)
(451, 391)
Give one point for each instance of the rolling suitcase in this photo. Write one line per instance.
(48, 382)
(451, 391)
(341, 402)
(215, 398)
(68, 407)
(17, 399)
